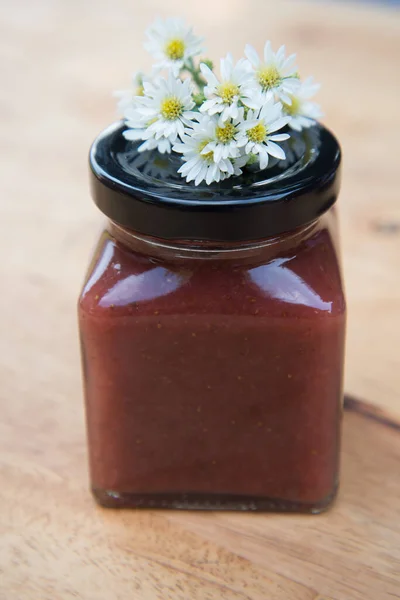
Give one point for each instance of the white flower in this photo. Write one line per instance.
(224, 137)
(163, 145)
(137, 128)
(160, 116)
(199, 164)
(172, 43)
(237, 84)
(126, 97)
(257, 131)
(303, 113)
(275, 72)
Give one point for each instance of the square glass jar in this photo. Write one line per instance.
(212, 360)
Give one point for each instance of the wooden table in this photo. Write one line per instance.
(60, 60)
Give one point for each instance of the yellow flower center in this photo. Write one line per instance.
(227, 92)
(268, 77)
(226, 133)
(175, 49)
(171, 108)
(292, 109)
(139, 90)
(257, 134)
(208, 156)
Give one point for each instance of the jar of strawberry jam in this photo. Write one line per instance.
(212, 324)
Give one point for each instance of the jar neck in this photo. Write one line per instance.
(205, 250)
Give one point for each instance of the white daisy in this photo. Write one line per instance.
(275, 72)
(137, 128)
(126, 97)
(236, 84)
(200, 165)
(303, 113)
(257, 131)
(160, 116)
(163, 145)
(224, 137)
(172, 43)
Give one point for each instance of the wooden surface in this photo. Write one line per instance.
(59, 62)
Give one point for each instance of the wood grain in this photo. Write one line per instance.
(59, 60)
(56, 543)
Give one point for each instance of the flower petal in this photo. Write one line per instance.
(280, 137)
(264, 158)
(252, 54)
(275, 150)
(208, 74)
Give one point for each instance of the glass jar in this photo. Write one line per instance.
(213, 352)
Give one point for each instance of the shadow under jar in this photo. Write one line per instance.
(212, 324)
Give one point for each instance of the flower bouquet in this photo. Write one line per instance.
(219, 124)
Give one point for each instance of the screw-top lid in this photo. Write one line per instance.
(145, 193)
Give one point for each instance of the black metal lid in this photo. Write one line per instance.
(144, 192)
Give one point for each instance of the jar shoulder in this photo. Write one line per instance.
(301, 281)
(118, 278)
(308, 278)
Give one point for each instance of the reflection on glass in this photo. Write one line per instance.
(100, 268)
(278, 281)
(155, 283)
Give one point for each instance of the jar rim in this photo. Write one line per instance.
(128, 189)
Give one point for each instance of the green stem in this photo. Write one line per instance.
(195, 73)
